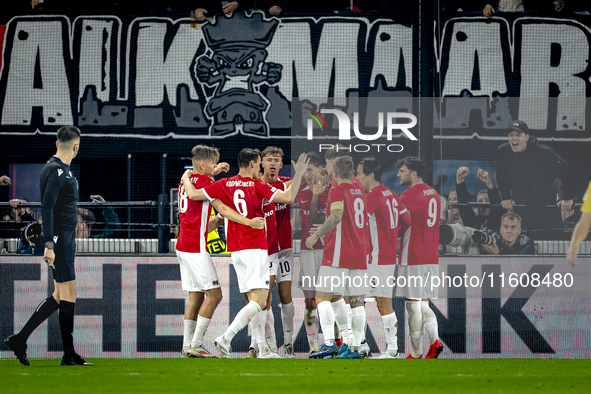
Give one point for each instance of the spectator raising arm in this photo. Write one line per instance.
(112, 226)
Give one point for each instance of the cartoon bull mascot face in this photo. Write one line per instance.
(236, 67)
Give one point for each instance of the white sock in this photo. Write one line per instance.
(311, 323)
(287, 314)
(340, 314)
(326, 315)
(258, 330)
(349, 316)
(429, 322)
(391, 332)
(358, 324)
(202, 324)
(253, 341)
(188, 333)
(241, 320)
(415, 327)
(270, 331)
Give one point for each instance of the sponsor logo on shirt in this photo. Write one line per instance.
(60, 172)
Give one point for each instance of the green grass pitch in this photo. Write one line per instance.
(297, 376)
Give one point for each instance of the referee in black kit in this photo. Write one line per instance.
(59, 210)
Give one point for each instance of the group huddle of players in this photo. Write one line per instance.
(351, 227)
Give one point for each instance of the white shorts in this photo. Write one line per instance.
(414, 281)
(310, 261)
(197, 271)
(281, 265)
(252, 269)
(381, 286)
(342, 281)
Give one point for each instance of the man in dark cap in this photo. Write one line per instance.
(526, 174)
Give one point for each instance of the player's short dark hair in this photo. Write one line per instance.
(87, 216)
(247, 155)
(272, 151)
(316, 159)
(343, 167)
(413, 163)
(204, 152)
(511, 216)
(68, 133)
(371, 165)
(337, 151)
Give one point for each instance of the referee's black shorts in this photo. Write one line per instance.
(65, 251)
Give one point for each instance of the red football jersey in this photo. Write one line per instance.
(246, 196)
(384, 209)
(283, 217)
(272, 237)
(420, 243)
(304, 199)
(346, 245)
(194, 216)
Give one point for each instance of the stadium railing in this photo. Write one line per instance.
(161, 234)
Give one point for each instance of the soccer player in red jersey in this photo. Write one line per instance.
(346, 332)
(248, 246)
(419, 255)
(280, 246)
(386, 215)
(311, 198)
(198, 274)
(344, 261)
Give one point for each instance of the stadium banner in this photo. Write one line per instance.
(133, 307)
(158, 78)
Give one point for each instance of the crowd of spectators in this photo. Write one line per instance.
(488, 8)
(535, 194)
(15, 220)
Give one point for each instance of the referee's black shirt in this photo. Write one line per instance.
(59, 198)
